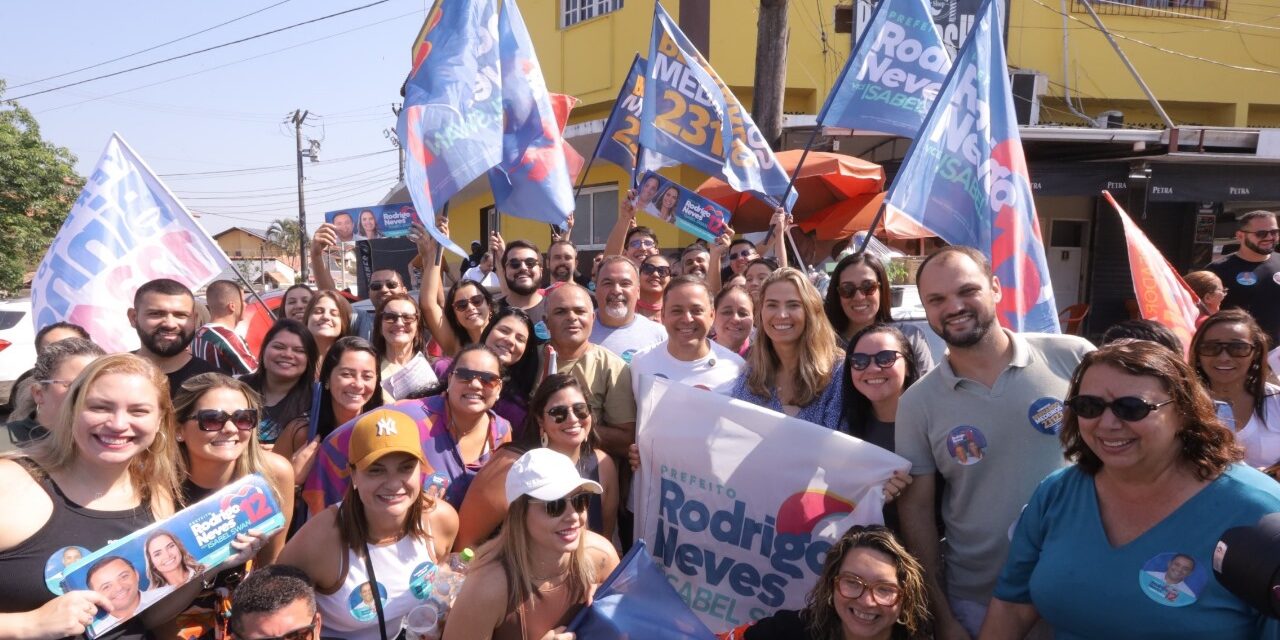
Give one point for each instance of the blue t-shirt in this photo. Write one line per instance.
(1160, 585)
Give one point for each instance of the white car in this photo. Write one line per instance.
(17, 341)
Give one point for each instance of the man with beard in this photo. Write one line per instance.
(562, 262)
(164, 316)
(1002, 387)
(694, 261)
(1252, 274)
(521, 274)
(217, 341)
(617, 327)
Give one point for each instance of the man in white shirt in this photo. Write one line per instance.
(687, 356)
(617, 327)
(484, 273)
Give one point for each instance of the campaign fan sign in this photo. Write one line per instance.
(674, 204)
(136, 571)
(371, 223)
(740, 504)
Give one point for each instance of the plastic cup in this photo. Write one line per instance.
(421, 623)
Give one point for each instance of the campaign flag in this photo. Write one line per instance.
(637, 601)
(451, 124)
(562, 105)
(965, 179)
(620, 141)
(893, 74)
(1162, 294)
(532, 179)
(125, 229)
(741, 503)
(691, 116)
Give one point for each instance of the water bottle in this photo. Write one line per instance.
(445, 585)
(458, 563)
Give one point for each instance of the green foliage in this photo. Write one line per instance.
(897, 272)
(38, 185)
(283, 234)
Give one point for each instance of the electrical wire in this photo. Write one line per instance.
(1179, 14)
(385, 173)
(270, 167)
(205, 50)
(314, 181)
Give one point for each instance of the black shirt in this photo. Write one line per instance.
(194, 367)
(1254, 287)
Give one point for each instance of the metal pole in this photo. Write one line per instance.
(298, 118)
(1151, 97)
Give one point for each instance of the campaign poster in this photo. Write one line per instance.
(373, 222)
(140, 569)
(674, 204)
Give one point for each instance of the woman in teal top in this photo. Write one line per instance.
(1121, 544)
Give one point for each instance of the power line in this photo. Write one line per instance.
(205, 50)
(386, 174)
(285, 190)
(1178, 14)
(163, 44)
(270, 167)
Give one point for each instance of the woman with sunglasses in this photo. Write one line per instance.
(373, 556)
(655, 273)
(859, 296)
(56, 368)
(328, 319)
(734, 319)
(870, 588)
(284, 378)
(399, 336)
(457, 319)
(794, 362)
(296, 299)
(544, 565)
(1121, 544)
(458, 431)
(1210, 290)
(1229, 352)
(559, 420)
(508, 336)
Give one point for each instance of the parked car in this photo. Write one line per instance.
(17, 342)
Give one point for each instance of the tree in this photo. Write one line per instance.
(38, 185)
(283, 235)
(771, 70)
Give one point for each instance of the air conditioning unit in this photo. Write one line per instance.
(1027, 87)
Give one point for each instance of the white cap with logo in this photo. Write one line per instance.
(543, 474)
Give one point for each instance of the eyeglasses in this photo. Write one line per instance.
(883, 359)
(516, 263)
(214, 419)
(1234, 349)
(847, 289)
(555, 508)
(65, 383)
(397, 318)
(474, 301)
(1127, 408)
(744, 254)
(1263, 233)
(885, 594)
(305, 633)
(379, 285)
(561, 413)
(487, 380)
(642, 243)
(654, 269)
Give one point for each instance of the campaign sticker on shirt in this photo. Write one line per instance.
(1275, 277)
(1046, 415)
(361, 602)
(540, 330)
(420, 580)
(966, 445)
(627, 355)
(435, 486)
(1247, 278)
(60, 561)
(1173, 579)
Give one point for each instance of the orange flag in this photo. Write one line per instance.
(1162, 294)
(562, 104)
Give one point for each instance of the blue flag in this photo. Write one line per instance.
(690, 116)
(892, 75)
(637, 601)
(532, 180)
(965, 179)
(620, 141)
(451, 124)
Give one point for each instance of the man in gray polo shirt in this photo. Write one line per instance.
(986, 418)
(617, 327)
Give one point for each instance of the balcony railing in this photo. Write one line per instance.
(1156, 8)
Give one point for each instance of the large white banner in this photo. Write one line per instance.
(739, 504)
(125, 229)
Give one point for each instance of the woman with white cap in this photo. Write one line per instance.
(544, 566)
(373, 555)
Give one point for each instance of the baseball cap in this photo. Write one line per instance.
(546, 475)
(380, 432)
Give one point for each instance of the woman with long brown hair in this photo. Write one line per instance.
(1229, 353)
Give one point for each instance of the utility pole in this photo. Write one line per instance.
(393, 135)
(771, 70)
(298, 118)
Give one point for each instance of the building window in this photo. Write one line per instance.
(596, 213)
(574, 11)
(1156, 8)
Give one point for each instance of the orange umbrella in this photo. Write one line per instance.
(825, 180)
(844, 218)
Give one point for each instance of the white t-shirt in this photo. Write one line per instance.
(489, 281)
(629, 339)
(1261, 439)
(715, 372)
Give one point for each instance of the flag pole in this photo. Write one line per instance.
(444, 213)
(245, 282)
(871, 231)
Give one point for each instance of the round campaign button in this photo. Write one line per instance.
(966, 445)
(1247, 278)
(1173, 579)
(1046, 415)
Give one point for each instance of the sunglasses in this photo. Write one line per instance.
(379, 285)
(883, 359)
(1264, 233)
(487, 380)
(1234, 349)
(397, 318)
(1127, 408)
(744, 254)
(461, 304)
(516, 263)
(214, 419)
(847, 289)
(555, 508)
(653, 269)
(644, 243)
(885, 594)
(305, 633)
(561, 413)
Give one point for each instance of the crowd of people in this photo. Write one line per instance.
(1056, 489)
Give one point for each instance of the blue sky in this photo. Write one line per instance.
(222, 110)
